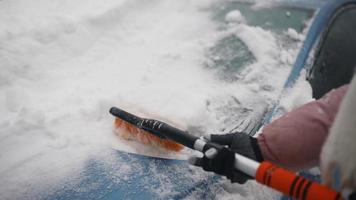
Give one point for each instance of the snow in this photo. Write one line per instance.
(248, 191)
(234, 16)
(65, 63)
(292, 33)
(299, 94)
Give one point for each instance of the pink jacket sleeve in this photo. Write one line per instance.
(295, 139)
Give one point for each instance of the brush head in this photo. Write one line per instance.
(127, 126)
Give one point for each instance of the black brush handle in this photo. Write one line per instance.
(157, 128)
(175, 134)
(128, 117)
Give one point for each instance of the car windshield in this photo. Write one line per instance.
(333, 64)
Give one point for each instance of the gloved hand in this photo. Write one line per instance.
(222, 161)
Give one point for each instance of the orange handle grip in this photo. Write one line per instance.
(292, 185)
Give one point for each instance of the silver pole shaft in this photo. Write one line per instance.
(246, 165)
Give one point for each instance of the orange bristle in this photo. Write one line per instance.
(129, 131)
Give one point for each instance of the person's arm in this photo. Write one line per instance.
(294, 140)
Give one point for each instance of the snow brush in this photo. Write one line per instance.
(265, 172)
(130, 126)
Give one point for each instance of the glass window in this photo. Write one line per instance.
(335, 56)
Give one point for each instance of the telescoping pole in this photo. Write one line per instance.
(285, 181)
(278, 178)
(265, 172)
